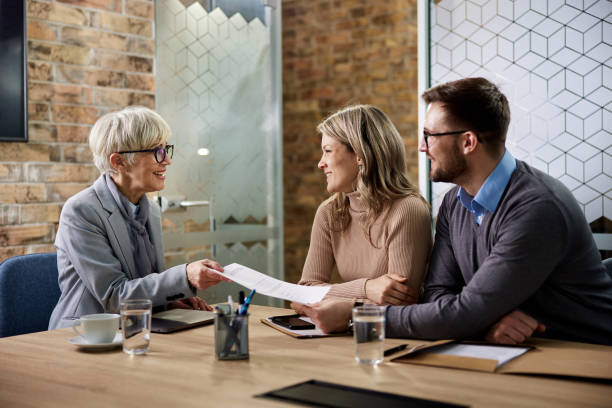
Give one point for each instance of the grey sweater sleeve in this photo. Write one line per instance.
(527, 245)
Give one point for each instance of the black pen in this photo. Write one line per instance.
(240, 301)
(394, 350)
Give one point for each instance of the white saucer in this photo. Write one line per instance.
(81, 343)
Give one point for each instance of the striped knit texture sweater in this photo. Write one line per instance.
(402, 235)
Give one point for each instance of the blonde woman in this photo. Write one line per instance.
(375, 228)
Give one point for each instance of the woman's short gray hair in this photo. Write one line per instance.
(132, 128)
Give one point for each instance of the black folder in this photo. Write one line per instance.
(323, 394)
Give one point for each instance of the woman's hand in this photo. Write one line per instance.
(298, 307)
(329, 315)
(390, 289)
(194, 303)
(199, 274)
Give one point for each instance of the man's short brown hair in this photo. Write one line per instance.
(475, 104)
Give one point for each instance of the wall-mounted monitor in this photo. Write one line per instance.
(13, 88)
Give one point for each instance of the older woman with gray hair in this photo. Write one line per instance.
(109, 244)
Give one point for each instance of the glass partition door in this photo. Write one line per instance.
(218, 86)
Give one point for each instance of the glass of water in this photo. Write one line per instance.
(369, 332)
(136, 325)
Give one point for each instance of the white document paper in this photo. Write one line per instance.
(269, 286)
(499, 353)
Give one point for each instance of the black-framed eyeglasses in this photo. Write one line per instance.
(160, 153)
(426, 135)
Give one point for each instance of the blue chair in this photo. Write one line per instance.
(28, 293)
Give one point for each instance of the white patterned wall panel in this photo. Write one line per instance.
(214, 87)
(213, 79)
(553, 60)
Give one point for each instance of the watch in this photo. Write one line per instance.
(350, 324)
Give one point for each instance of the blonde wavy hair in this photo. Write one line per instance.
(369, 133)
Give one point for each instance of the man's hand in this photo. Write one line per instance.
(390, 289)
(331, 315)
(194, 303)
(514, 328)
(200, 276)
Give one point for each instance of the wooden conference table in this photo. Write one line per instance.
(45, 370)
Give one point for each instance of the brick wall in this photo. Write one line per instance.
(337, 53)
(85, 58)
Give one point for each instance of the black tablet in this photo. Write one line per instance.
(292, 322)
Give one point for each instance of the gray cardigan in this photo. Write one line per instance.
(95, 262)
(535, 253)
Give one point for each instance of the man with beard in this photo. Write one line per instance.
(513, 253)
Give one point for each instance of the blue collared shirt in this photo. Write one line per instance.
(133, 208)
(490, 193)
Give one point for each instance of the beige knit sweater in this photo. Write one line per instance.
(402, 234)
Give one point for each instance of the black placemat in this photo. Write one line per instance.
(323, 394)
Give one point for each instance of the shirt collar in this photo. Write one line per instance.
(133, 208)
(492, 189)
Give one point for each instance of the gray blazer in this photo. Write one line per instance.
(96, 264)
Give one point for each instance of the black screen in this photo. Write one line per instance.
(13, 108)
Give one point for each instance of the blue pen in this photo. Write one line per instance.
(247, 302)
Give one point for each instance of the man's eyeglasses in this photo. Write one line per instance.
(426, 135)
(160, 153)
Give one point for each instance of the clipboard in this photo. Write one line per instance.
(174, 320)
(300, 334)
(435, 354)
(546, 357)
(564, 359)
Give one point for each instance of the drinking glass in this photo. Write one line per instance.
(369, 333)
(136, 325)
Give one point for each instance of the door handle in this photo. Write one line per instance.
(186, 204)
(174, 203)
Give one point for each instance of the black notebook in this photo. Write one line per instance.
(323, 394)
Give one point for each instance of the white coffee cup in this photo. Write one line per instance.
(97, 328)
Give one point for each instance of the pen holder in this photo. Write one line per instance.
(232, 336)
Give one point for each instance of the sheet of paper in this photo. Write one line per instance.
(499, 353)
(269, 286)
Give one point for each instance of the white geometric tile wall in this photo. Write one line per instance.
(213, 87)
(553, 60)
